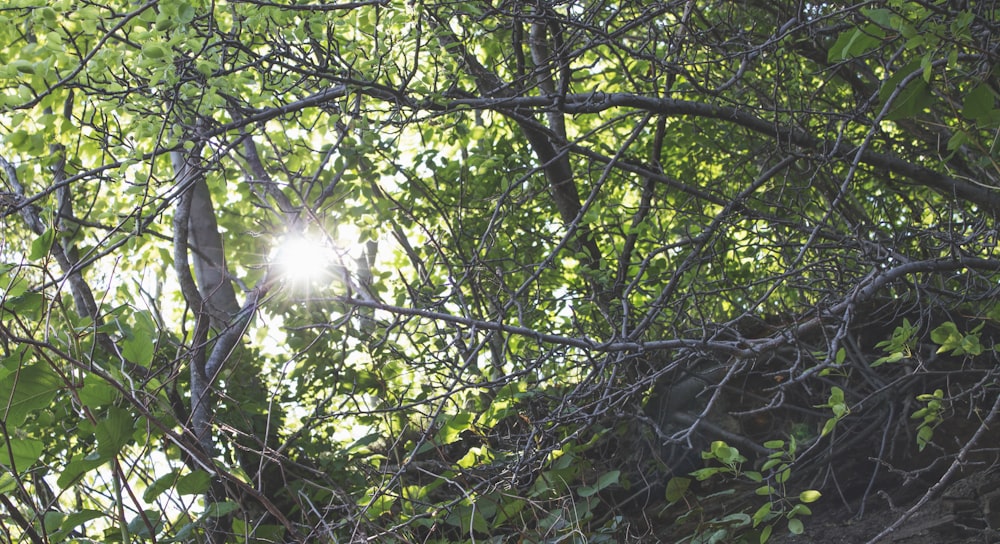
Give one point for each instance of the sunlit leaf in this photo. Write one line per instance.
(809, 496)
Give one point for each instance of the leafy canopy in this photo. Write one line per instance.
(416, 271)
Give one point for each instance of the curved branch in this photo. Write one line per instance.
(226, 341)
(201, 407)
(211, 275)
(599, 102)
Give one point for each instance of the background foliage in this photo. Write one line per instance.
(590, 271)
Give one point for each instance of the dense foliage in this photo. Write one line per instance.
(475, 271)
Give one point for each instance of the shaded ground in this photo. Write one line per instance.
(910, 500)
(967, 512)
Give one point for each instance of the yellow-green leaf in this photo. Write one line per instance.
(810, 495)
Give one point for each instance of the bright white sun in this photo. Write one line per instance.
(302, 259)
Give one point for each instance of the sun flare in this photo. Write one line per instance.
(303, 259)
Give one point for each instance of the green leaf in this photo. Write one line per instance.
(924, 435)
(26, 390)
(911, 99)
(508, 509)
(828, 426)
(153, 51)
(8, 483)
(52, 520)
(706, 473)
(936, 395)
(185, 13)
(891, 358)
(970, 345)
(219, 509)
(261, 532)
(770, 463)
(881, 17)
(855, 42)
(800, 510)
(77, 467)
(606, 479)
(138, 349)
(810, 495)
(21, 454)
(25, 305)
(195, 483)
(359, 444)
(945, 333)
(161, 484)
(140, 526)
(96, 392)
(139, 344)
(795, 526)
(676, 488)
(836, 395)
(564, 461)
(466, 518)
(720, 536)
(762, 513)
(978, 105)
(164, 22)
(739, 519)
(40, 246)
(451, 431)
(726, 453)
(949, 338)
(957, 140)
(72, 521)
(13, 286)
(23, 66)
(114, 431)
(16, 138)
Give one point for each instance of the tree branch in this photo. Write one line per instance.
(867, 289)
(211, 275)
(83, 296)
(201, 400)
(599, 102)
